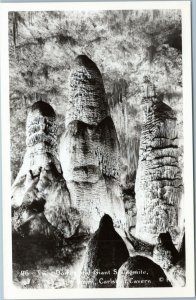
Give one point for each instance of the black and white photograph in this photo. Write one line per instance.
(98, 194)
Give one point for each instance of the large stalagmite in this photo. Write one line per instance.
(158, 182)
(39, 193)
(89, 149)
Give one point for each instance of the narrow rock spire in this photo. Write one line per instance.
(40, 178)
(158, 181)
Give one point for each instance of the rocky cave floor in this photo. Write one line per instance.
(44, 263)
(40, 262)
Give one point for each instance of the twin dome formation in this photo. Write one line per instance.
(84, 185)
(71, 190)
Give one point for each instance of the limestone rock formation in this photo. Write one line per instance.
(158, 181)
(87, 101)
(106, 252)
(89, 149)
(139, 247)
(40, 187)
(177, 275)
(164, 252)
(130, 206)
(139, 271)
(182, 251)
(177, 271)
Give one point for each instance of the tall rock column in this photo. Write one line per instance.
(158, 181)
(89, 149)
(40, 186)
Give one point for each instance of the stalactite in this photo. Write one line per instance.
(15, 28)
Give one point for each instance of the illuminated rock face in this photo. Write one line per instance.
(40, 176)
(89, 149)
(158, 182)
(87, 101)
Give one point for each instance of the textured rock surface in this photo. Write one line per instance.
(106, 252)
(126, 45)
(89, 149)
(40, 178)
(137, 246)
(43, 46)
(165, 253)
(158, 181)
(177, 276)
(130, 209)
(87, 100)
(139, 271)
(177, 272)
